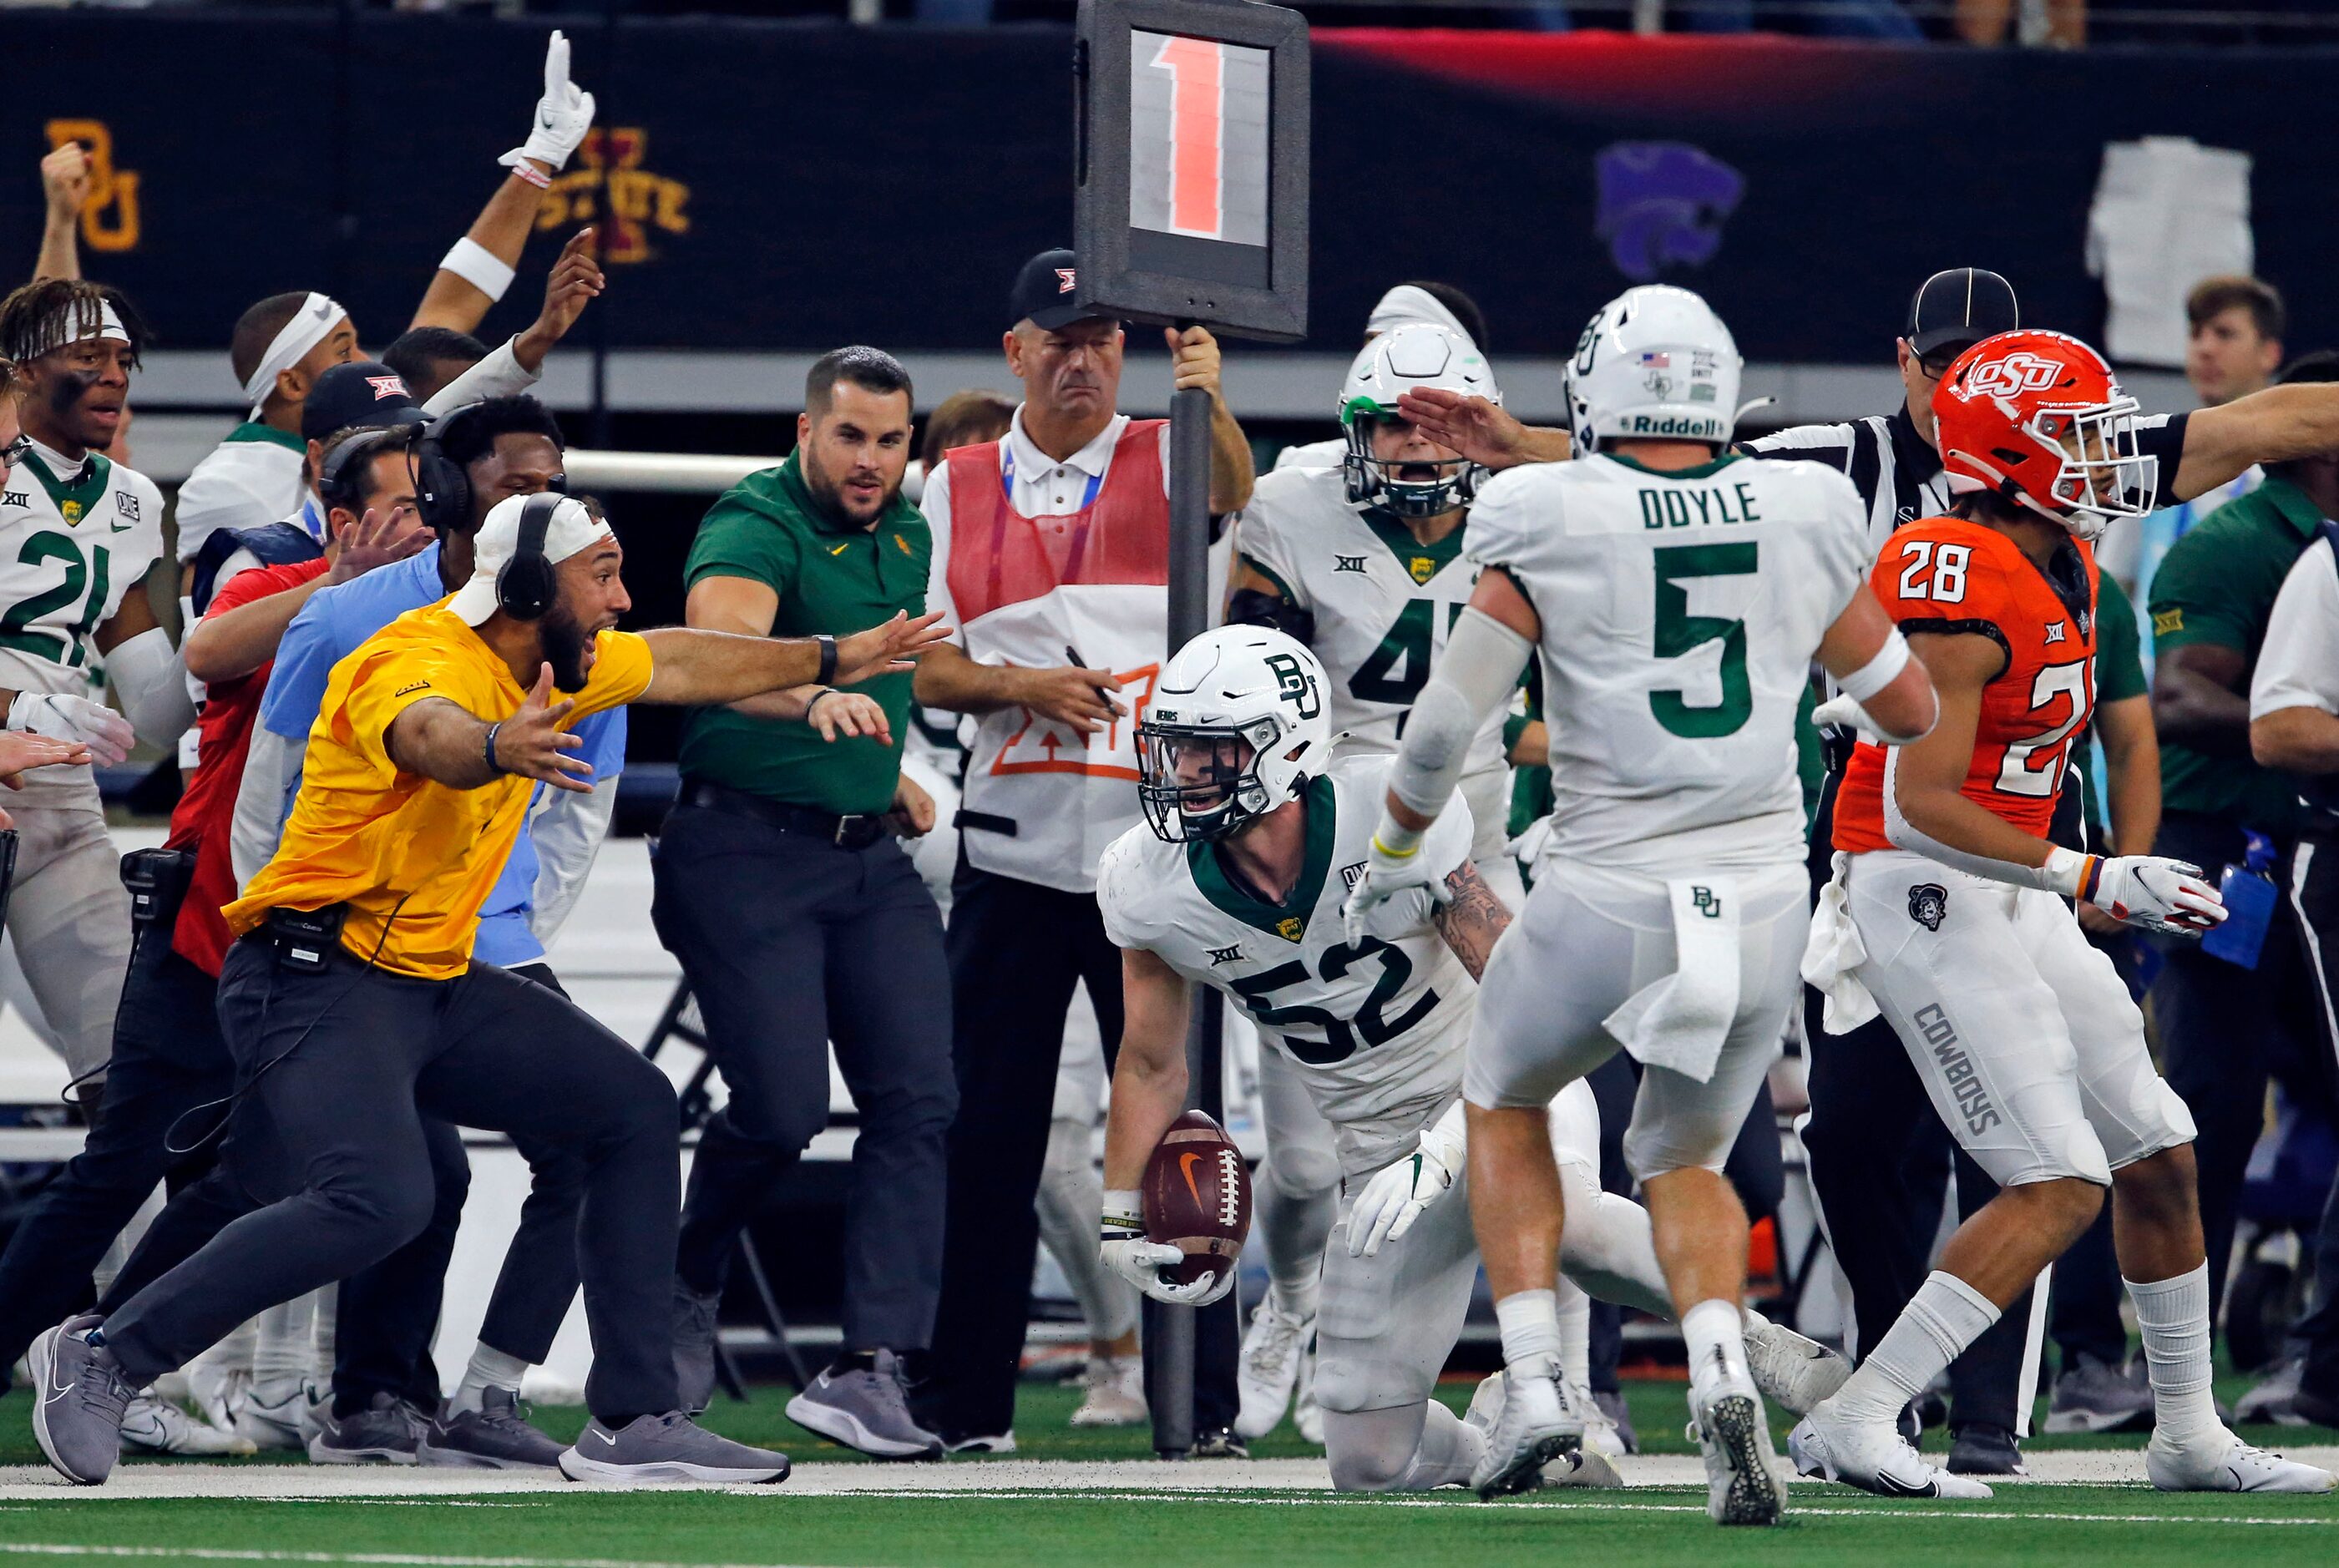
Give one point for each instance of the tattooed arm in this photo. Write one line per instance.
(1471, 918)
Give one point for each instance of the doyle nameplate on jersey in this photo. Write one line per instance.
(1191, 166)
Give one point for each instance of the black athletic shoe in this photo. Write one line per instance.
(496, 1436)
(1978, 1448)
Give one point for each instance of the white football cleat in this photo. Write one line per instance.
(1734, 1437)
(1875, 1458)
(1795, 1372)
(280, 1414)
(1115, 1395)
(1270, 1368)
(2231, 1466)
(158, 1426)
(1600, 1433)
(1530, 1426)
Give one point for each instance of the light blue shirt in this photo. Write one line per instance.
(328, 629)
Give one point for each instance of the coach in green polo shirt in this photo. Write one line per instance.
(2224, 1027)
(798, 918)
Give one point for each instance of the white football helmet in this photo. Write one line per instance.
(1655, 363)
(1237, 726)
(1416, 354)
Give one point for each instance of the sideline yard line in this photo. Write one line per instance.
(391, 1559)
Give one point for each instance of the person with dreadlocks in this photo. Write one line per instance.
(77, 536)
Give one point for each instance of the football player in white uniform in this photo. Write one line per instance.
(1423, 303)
(1362, 561)
(77, 536)
(1689, 591)
(1253, 834)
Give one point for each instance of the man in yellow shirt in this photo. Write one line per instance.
(352, 1007)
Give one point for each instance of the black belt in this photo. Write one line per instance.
(856, 830)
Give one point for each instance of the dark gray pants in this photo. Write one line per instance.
(332, 1130)
(791, 943)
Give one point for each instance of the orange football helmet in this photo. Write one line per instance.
(2038, 418)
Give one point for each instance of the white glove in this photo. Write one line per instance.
(1396, 1194)
(1397, 893)
(563, 115)
(106, 734)
(2143, 890)
(1842, 712)
(1140, 1262)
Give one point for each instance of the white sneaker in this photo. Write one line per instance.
(158, 1426)
(1873, 1457)
(1530, 1426)
(217, 1392)
(277, 1414)
(1733, 1436)
(1600, 1433)
(1793, 1370)
(2232, 1465)
(1115, 1394)
(982, 1442)
(1271, 1351)
(1307, 1416)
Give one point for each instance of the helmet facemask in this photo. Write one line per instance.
(2099, 476)
(1452, 482)
(1201, 781)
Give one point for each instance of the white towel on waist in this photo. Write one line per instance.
(1683, 1021)
(1833, 953)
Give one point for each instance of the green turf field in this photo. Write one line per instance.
(1029, 1525)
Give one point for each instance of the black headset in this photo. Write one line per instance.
(526, 584)
(337, 483)
(442, 490)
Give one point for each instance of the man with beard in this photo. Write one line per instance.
(797, 917)
(352, 999)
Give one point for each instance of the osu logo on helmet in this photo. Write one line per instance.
(2018, 372)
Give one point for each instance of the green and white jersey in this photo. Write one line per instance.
(1383, 601)
(1376, 1028)
(1680, 613)
(69, 548)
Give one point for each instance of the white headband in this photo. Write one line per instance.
(1407, 305)
(319, 314)
(109, 325)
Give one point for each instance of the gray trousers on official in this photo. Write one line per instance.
(790, 943)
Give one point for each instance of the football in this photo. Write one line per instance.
(1197, 1196)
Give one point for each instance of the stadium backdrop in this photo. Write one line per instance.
(795, 185)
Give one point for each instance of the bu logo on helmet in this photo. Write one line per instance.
(1295, 685)
(2021, 371)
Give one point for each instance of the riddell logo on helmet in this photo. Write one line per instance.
(2018, 372)
(1695, 427)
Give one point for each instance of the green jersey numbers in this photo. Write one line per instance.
(1340, 1035)
(84, 588)
(1396, 670)
(1678, 632)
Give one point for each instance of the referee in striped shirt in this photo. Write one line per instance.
(1879, 1158)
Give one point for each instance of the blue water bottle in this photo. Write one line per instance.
(2249, 892)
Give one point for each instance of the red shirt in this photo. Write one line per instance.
(206, 811)
(1948, 575)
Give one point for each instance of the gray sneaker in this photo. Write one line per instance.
(78, 1400)
(668, 1447)
(495, 1436)
(865, 1408)
(388, 1431)
(2096, 1396)
(694, 1329)
(2273, 1398)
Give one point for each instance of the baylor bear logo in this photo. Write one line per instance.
(1709, 903)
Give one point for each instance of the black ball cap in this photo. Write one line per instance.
(362, 392)
(1045, 290)
(1955, 309)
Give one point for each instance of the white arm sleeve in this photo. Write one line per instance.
(499, 375)
(2052, 877)
(152, 681)
(257, 825)
(567, 832)
(1476, 677)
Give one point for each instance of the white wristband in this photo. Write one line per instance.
(1124, 1206)
(1879, 672)
(478, 266)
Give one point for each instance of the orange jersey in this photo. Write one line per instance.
(1948, 575)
